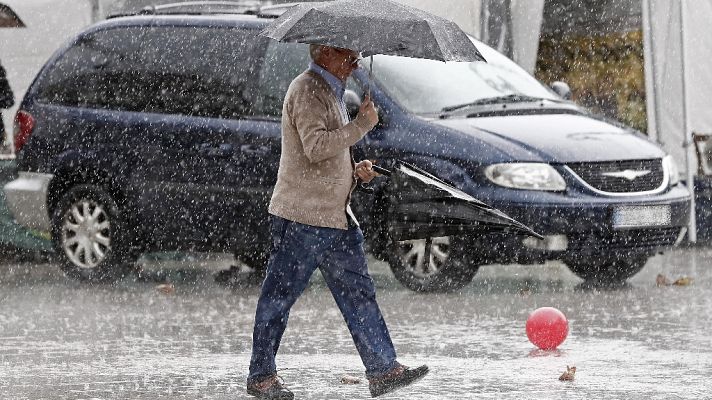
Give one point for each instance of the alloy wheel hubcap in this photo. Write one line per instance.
(413, 254)
(86, 238)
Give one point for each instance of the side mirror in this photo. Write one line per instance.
(353, 103)
(562, 89)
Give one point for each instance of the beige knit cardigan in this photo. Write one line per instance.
(316, 171)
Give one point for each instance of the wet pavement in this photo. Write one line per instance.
(61, 339)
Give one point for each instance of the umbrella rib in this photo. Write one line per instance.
(435, 38)
(290, 20)
(453, 29)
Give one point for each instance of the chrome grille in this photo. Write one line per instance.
(598, 175)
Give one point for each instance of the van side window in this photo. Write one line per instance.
(282, 63)
(190, 71)
(88, 74)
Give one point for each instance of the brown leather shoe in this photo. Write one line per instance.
(270, 389)
(397, 378)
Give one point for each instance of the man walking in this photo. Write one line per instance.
(313, 226)
(7, 100)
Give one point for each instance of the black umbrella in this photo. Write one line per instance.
(9, 19)
(374, 27)
(423, 206)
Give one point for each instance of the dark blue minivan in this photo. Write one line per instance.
(162, 132)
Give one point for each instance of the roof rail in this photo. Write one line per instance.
(274, 11)
(200, 7)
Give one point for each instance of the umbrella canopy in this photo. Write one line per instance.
(423, 206)
(378, 27)
(9, 19)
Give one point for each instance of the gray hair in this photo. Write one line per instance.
(315, 51)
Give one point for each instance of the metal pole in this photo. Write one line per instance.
(370, 77)
(651, 99)
(95, 10)
(689, 150)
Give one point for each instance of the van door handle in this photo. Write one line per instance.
(255, 150)
(223, 150)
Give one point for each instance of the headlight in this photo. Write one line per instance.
(670, 164)
(527, 176)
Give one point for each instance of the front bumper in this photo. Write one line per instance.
(27, 200)
(584, 227)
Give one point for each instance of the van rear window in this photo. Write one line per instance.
(192, 71)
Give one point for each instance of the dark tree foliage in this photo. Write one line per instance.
(605, 72)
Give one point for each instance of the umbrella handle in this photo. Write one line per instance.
(381, 170)
(365, 187)
(370, 77)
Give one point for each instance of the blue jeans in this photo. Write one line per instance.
(297, 251)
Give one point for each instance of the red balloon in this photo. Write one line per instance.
(547, 328)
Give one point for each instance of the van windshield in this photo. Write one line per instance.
(427, 86)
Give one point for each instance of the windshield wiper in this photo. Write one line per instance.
(510, 98)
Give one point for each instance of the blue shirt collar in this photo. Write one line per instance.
(335, 83)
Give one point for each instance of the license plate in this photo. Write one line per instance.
(639, 216)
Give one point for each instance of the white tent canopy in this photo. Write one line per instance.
(678, 51)
(678, 74)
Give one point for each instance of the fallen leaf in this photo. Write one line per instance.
(569, 374)
(166, 288)
(684, 281)
(350, 380)
(662, 280)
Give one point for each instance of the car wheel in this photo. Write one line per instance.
(607, 271)
(88, 233)
(256, 259)
(438, 264)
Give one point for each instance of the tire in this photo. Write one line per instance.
(256, 259)
(607, 271)
(450, 267)
(90, 236)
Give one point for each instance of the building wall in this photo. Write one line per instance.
(465, 13)
(24, 51)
